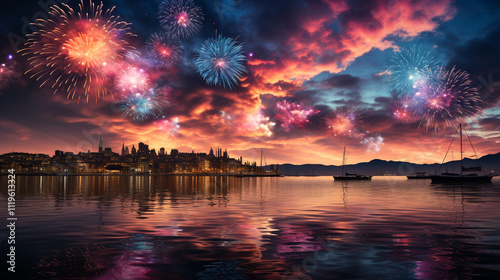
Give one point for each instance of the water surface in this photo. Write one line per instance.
(166, 227)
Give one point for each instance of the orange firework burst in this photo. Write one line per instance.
(345, 122)
(76, 52)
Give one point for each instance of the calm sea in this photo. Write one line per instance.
(165, 227)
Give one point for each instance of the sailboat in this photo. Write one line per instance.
(263, 171)
(467, 174)
(350, 176)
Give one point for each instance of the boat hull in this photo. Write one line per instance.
(460, 179)
(350, 178)
(418, 177)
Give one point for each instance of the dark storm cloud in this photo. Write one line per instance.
(273, 18)
(480, 57)
(338, 81)
(142, 14)
(360, 11)
(491, 123)
(383, 100)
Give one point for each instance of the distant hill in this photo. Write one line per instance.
(380, 167)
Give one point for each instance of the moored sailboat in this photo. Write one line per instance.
(350, 176)
(467, 174)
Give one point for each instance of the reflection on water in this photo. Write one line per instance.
(166, 227)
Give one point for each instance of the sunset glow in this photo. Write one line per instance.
(374, 78)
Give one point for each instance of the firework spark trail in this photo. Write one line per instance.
(132, 79)
(180, 17)
(145, 105)
(293, 114)
(406, 69)
(76, 52)
(220, 62)
(164, 49)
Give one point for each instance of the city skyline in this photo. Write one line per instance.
(306, 64)
(140, 160)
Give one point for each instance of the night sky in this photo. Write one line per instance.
(318, 55)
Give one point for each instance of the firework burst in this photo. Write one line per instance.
(345, 122)
(403, 109)
(373, 144)
(180, 17)
(132, 79)
(145, 105)
(256, 125)
(406, 70)
(164, 49)
(75, 52)
(448, 100)
(220, 62)
(293, 114)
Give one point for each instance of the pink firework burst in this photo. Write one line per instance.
(403, 109)
(164, 49)
(181, 17)
(448, 99)
(293, 114)
(132, 78)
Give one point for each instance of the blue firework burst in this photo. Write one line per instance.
(220, 62)
(405, 71)
(181, 17)
(141, 106)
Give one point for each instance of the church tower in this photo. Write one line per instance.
(100, 144)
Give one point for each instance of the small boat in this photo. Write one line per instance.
(419, 175)
(467, 174)
(350, 176)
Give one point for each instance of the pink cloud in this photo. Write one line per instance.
(317, 47)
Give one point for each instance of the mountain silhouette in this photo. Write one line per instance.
(380, 167)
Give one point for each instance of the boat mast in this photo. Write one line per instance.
(461, 151)
(343, 162)
(261, 151)
(475, 154)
